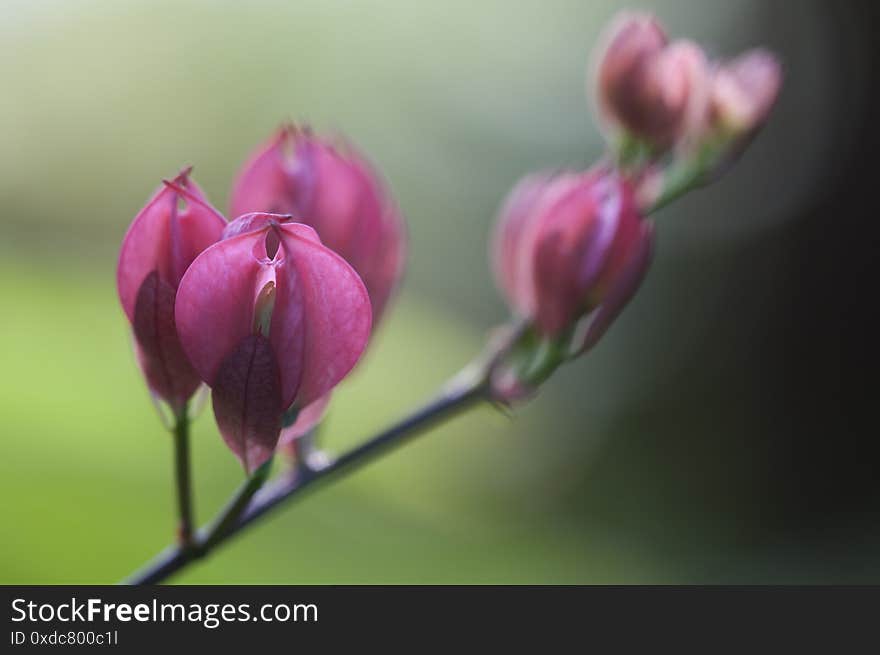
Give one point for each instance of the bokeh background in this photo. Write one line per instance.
(721, 432)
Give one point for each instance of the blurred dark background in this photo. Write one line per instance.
(721, 432)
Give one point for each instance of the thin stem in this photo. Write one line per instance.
(688, 172)
(164, 565)
(183, 478)
(681, 177)
(470, 386)
(235, 508)
(443, 407)
(630, 152)
(464, 391)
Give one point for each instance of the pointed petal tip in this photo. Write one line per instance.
(254, 222)
(183, 175)
(193, 195)
(175, 185)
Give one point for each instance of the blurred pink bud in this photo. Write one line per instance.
(513, 270)
(271, 319)
(162, 241)
(335, 191)
(652, 89)
(570, 245)
(744, 91)
(681, 85)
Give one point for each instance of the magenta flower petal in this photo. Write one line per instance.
(246, 397)
(623, 288)
(165, 366)
(344, 203)
(215, 302)
(266, 182)
(355, 216)
(507, 238)
(321, 297)
(563, 244)
(166, 239)
(254, 222)
(627, 45)
(655, 90)
(162, 241)
(572, 242)
(321, 318)
(288, 325)
(335, 191)
(383, 276)
(744, 91)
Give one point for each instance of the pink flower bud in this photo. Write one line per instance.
(570, 245)
(335, 191)
(679, 79)
(651, 89)
(162, 241)
(513, 272)
(744, 91)
(271, 319)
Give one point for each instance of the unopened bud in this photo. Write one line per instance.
(651, 90)
(268, 333)
(165, 237)
(744, 91)
(334, 189)
(564, 245)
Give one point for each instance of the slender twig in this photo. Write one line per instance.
(283, 489)
(233, 511)
(456, 398)
(688, 173)
(165, 564)
(183, 478)
(470, 386)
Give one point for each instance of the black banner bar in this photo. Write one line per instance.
(134, 619)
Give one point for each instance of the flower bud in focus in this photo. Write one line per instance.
(336, 192)
(162, 241)
(272, 320)
(646, 88)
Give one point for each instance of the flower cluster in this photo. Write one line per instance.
(273, 309)
(660, 94)
(570, 248)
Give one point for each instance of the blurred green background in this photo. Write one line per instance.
(676, 453)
